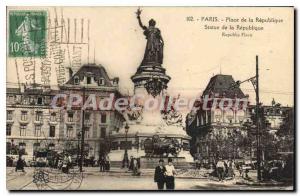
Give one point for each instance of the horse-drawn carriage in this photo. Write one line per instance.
(161, 147)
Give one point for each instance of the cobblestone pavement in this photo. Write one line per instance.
(119, 180)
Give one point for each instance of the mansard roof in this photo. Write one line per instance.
(92, 70)
(223, 85)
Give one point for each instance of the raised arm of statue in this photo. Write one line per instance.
(138, 13)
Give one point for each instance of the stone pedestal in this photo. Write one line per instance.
(150, 82)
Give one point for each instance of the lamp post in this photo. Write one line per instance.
(78, 146)
(255, 82)
(258, 152)
(83, 132)
(125, 160)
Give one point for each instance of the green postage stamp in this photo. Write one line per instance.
(27, 33)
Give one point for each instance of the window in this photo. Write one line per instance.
(88, 80)
(23, 130)
(87, 117)
(218, 115)
(38, 116)
(70, 132)
(8, 147)
(25, 100)
(9, 115)
(52, 131)
(103, 118)
(8, 129)
(10, 99)
(87, 132)
(101, 82)
(37, 131)
(76, 80)
(40, 100)
(53, 117)
(24, 115)
(229, 114)
(60, 101)
(102, 132)
(70, 117)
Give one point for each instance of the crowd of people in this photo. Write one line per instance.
(278, 170)
(164, 174)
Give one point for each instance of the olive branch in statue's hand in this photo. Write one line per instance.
(138, 12)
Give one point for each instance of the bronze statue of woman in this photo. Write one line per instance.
(155, 43)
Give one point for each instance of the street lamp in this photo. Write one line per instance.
(78, 144)
(125, 160)
(255, 82)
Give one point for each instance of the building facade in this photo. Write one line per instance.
(223, 132)
(277, 136)
(34, 124)
(30, 121)
(216, 125)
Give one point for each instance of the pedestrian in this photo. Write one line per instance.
(20, 164)
(70, 162)
(169, 175)
(159, 175)
(131, 163)
(92, 161)
(102, 164)
(56, 160)
(107, 163)
(65, 165)
(220, 169)
(197, 164)
(230, 165)
(135, 167)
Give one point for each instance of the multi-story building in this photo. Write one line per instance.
(91, 81)
(214, 127)
(33, 123)
(274, 114)
(30, 121)
(277, 135)
(222, 132)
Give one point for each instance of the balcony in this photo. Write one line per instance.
(53, 123)
(24, 120)
(69, 122)
(38, 121)
(9, 121)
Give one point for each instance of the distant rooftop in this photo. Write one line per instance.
(223, 84)
(93, 70)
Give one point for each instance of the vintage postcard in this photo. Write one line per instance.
(150, 98)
